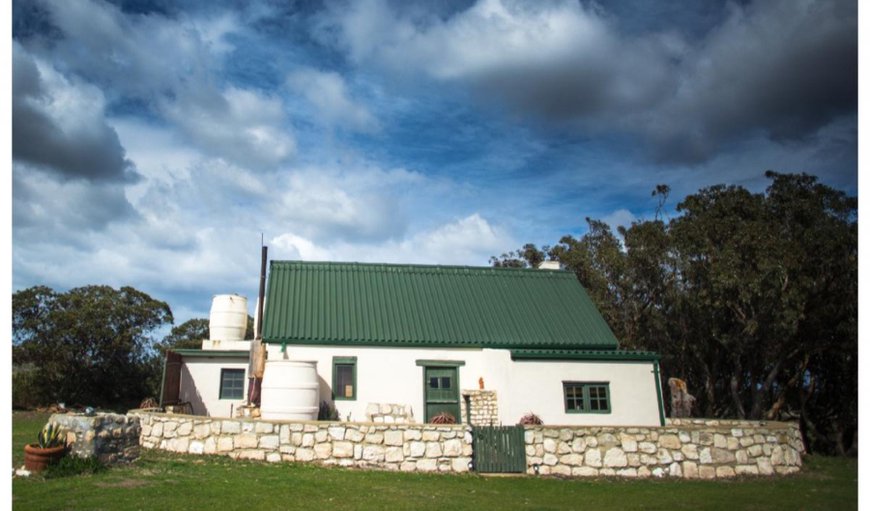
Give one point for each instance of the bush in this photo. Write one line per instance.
(26, 392)
(327, 412)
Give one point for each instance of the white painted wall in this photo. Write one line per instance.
(201, 383)
(391, 375)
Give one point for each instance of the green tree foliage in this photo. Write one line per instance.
(90, 345)
(750, 298)
(188, 335)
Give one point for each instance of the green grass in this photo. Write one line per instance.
(165, 481)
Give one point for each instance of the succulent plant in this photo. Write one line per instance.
(443, 418)
(51, 435)
(530, 419)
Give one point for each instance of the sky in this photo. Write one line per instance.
(156, 143)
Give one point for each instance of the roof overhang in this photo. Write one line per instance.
(213, 353)
(589, 355)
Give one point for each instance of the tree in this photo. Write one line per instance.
(188, 335)
(89, 345)
(749, 297)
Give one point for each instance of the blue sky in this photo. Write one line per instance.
(154, 142)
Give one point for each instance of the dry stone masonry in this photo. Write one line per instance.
(686, 448)
(113, 438)
(405, 447)
(484, 407)
(389, 413)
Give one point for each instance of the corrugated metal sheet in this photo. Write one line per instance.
(416, 305)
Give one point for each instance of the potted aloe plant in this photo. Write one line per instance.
(49, 448)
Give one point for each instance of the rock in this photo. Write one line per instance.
(433, 450)
(615, 457)
(584, 472)
(393, 437)
(706, 472)
(323, 451)
(592, 458)
(269, 442)
(629, 444)
(724, 471)
(669, 442)
(394, 454)
(690, 469)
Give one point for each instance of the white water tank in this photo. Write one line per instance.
(290, 390)
(228, 318)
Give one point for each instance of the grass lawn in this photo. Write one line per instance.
(168, 481)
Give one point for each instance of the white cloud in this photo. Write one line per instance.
(466, 241)
(327, 92)
(145, 55)
(243, 126)
(619, 218)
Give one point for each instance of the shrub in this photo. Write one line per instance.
(530, 419)
(327, 412)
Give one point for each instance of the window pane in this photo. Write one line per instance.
(433, 382)
(344, 381)
(232, 383)
(586, 397)
(445, 382)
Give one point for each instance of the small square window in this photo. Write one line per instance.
(232, 384)
(344, 378)
(586, 397)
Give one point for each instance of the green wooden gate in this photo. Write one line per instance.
(499, 448)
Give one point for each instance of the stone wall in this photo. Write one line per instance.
(112, 438)
(687, 448)
(484, 407)
(389, 413)
(684, 448)
(405, 447)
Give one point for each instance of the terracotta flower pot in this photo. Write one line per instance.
(36, 458)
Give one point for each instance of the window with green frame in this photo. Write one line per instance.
(586, 397)
(344, 378)
(232, 384)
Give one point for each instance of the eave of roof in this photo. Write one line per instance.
(187, 352)
(546, 354)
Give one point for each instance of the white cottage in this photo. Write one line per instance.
(408, 342)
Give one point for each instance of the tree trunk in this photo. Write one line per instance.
(736, 374)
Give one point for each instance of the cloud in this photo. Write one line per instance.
(327, 92)
(359, 203)
(172, 68)
(243, 126)
(65, 211)
(468, 240)
(779, 67)
(59, 125)
(142, 55)
(785, 68)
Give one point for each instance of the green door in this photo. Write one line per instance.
(442, 392)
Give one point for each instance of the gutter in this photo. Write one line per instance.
(657, 376)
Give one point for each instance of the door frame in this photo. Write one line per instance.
(441, 364)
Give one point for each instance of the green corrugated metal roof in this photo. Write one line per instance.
(549, 354)
(416, 305)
